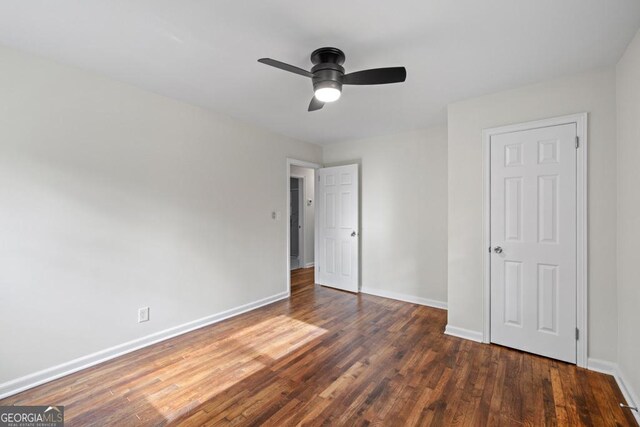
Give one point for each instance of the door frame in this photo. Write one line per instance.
(301, 218)
(295, 162)
(580, 120)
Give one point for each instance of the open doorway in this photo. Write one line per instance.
(330, 252)
(300, 220)
(296, 221)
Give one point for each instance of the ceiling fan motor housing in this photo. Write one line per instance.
(327, 70)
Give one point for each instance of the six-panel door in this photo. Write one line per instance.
(338, 231)
(533, 241)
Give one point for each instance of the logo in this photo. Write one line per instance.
(31, 416)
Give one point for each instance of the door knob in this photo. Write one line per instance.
(354, 234)
(497, 250)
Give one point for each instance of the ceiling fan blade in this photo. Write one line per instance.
(376, 76)
(315, 104)
(286, 67)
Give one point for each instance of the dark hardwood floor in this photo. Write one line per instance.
(301, 276)
(326, 357)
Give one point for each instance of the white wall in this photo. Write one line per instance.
(114, 198)
(593, 92)
(403, 211)
(628, 109)
(309, 211)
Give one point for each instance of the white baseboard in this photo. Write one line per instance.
(404, 297)
(602, 366)
(467, 334)
(17, 385)
(613, 369)
(628, 392)
(309, 265)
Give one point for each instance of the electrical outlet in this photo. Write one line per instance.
(143, 314)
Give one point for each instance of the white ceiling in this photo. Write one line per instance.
(205, 52)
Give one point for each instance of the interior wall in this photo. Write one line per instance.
(114, 198)
(628, 114)
(403, 212)
(309, 212)
(593, 92)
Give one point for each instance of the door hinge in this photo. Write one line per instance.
(577, 334)
(577, 142)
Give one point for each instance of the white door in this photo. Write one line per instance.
(533, 241)
(338, 231)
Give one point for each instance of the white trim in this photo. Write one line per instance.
(309, 265)
(613, 369)
(17, 385)
(602, 366)
(486, 237)
(404, 297)
(582, 229)
(302, 163)
(628, 393)
(580, 120)
(467, 334)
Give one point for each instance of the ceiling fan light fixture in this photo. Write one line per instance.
(328, 75)
(327, 94)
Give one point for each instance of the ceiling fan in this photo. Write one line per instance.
(328, 75)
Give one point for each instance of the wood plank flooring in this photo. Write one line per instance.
(326, 357)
